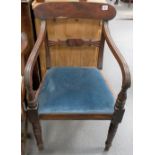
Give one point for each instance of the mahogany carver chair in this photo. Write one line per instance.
(74, 93)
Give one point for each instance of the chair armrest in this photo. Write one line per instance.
(126, 79)
(31, 63)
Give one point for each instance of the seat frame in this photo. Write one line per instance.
(49, 10)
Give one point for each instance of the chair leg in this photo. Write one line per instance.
(111, 134)
(34, 119)
(117, 117)
(38, 134)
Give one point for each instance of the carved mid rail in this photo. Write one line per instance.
(74, 42)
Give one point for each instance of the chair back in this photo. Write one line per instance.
(76, 10)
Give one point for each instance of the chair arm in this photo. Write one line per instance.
(126, 79)
(31, 63)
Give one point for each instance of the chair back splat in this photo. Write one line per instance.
(82, 10)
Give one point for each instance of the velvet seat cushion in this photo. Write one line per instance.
(69, 90)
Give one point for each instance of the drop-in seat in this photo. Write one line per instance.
(68, 90)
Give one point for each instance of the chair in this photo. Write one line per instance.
(74, 93)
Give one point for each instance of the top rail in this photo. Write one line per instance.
(50, 10)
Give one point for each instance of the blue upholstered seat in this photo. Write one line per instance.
(69, 90)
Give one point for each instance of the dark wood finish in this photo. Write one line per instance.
(75, 116)
(24, 136)
(31, 63)
(48, 64)
(50, 10)
(27, 26)
(24, 46)
(24, 43)
(23, 114)
(74, 42)
(101, 51)
(111, 133)
(27, 23)
(126, 82)
(34, 119)
(32, 95)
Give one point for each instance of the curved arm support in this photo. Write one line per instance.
(31, 63)
(126, 79)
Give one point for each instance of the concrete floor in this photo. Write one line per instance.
(88, 137)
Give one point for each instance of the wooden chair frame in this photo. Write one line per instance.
(94, 11)
(24, 46)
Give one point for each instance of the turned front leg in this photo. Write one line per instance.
(38, 134)
(117, 118)
(111, 135)
(34, 119)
